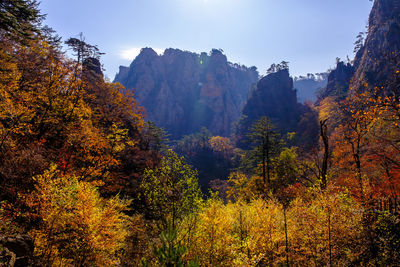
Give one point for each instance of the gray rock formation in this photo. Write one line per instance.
(338, 82)
(378, 61)
(183, 91)
(275, 98)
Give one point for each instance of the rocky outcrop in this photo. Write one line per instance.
(275, 98)
(183, 91)
(377, 62)
(338, 82)
(18, 250)
(93, 65)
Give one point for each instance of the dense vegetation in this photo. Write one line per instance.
(84, 181)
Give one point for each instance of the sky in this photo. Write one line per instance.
(310, 34)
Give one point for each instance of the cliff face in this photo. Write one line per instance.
(338, 82)
(378, 60)
(184, 91)
(276, 98)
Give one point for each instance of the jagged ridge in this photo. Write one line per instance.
(184, 91)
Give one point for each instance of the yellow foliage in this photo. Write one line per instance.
(328, 108)
(221, 144)
(214, 243)
(239, 234)
(242, 187)
(329, 221)
(253, 233)
(78, 226)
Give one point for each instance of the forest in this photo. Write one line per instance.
(86, 180)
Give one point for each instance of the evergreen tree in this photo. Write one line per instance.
(19, 18)
(266, 145)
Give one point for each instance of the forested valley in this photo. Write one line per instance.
(87, 179)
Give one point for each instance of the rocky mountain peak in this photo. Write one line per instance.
(378, 60)
(218, 56)
(275, 98)
(384, 11)
(147, 52)
(184, 91)
(338, 81)
(280, 79)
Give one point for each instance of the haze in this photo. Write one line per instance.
(310, 34)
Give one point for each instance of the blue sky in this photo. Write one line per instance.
(310, 34)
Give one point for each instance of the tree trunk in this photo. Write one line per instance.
(357, 160)
(263, 159)
(268, 160)
(329, 236)
(286, 237)
(324, 171)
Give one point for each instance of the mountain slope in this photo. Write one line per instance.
(183, 91)
(276, 98)
(377, 62)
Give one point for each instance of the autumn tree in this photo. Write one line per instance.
(222, 145)
(56, 110)
(171, 191)
(384, 146)
(78, 227)
(239, 234)
(355, 128)
(325, 140)
(172, 198)
(214, 243)
(286, 169)
(325, 228)
(242, 187)
(40, 104)
(200, 150)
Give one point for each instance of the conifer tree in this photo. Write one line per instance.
(266, 145)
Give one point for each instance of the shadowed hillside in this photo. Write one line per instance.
(184, 91)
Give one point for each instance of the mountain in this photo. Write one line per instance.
(184, 91)
(377, 62)
(309, 86)
(338, 82)
(275, 97)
